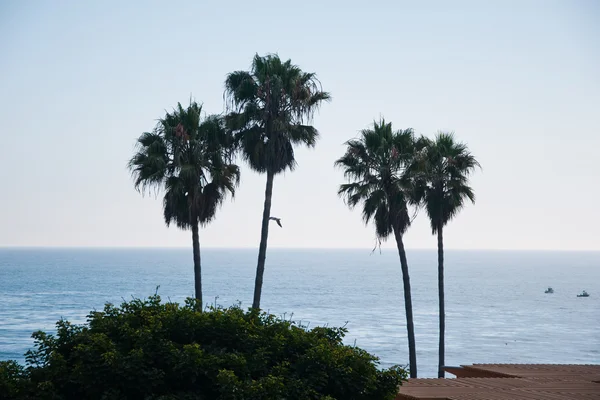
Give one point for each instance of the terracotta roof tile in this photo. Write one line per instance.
(517, 382)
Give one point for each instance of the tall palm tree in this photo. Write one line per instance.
(271, 106)
(376, 166)
(443, 166)
(190, 158)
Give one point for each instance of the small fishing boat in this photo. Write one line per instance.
(583, 294)
(549, 290)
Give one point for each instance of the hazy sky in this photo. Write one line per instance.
(519, 81)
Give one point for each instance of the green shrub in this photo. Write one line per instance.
(13, 380)
(146, 349)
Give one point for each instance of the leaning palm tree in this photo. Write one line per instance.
(190, 159)
(443, 167)
(271, 106)
(375, 165)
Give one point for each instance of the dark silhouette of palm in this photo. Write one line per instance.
(270, 107)
(376, 166)
(442, 168)
(190, 159)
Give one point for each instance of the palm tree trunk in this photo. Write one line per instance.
(410, 326)
(442, 349)
(197, 268)
(262, 250)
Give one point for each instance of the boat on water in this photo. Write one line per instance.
(584, 294)
(549, 290)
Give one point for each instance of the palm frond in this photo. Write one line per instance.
(175, 203)
(270, 108)
(149, 164)
(442, 169)
(240, 88)
(376, 166)
(191, 159)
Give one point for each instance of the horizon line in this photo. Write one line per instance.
(24, 247)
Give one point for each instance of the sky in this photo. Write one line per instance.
(518, 81)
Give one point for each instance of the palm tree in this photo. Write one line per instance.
(375, 165)
(443, 167)
(271, 106)
(190, 158)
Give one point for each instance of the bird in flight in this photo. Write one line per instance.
(278, 220)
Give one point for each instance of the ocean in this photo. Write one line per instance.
(496, 308)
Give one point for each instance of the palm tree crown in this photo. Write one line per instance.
(375, 164)
(190, 158)
(443, 167)
(271, 105)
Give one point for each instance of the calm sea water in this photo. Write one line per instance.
(496, 307)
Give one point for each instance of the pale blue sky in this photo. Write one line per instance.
(518, 81)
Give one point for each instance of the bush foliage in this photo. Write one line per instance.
(146, 349)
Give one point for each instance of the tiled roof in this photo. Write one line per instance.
(509, 381)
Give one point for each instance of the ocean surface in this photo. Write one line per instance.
(497, 311)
